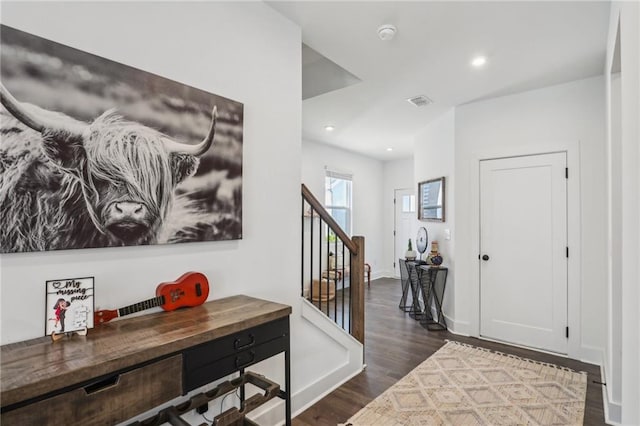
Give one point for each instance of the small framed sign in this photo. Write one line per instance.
(69, 305)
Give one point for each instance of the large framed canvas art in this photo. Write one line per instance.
(94, 153)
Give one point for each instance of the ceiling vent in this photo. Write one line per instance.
(419, 101)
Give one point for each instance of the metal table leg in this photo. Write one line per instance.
(435, 298)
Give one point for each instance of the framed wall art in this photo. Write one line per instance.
(431, 200)
(96, 153)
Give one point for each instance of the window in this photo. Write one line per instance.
(337, 198)
(408, 203)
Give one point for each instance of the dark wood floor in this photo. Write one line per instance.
(395, 344)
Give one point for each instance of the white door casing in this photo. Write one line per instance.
(523, 231)
(404, 219)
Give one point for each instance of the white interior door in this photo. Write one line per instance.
(405, 216)
(523, 249)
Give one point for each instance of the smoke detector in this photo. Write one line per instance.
(386, 32)
(419, 101)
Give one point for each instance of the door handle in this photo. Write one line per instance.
(485, 257)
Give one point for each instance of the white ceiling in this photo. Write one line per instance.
(528, 44)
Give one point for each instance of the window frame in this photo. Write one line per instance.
(346, 208)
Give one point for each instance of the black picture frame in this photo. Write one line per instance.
(78, 295)
(145, 186)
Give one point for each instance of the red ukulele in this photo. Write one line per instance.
(191, 289)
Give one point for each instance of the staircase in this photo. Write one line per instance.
(333, 267)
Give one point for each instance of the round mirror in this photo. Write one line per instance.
(422, 240)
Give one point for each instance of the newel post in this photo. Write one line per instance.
(357, 290)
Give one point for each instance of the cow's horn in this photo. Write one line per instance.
(30, 117)
(200, 148)
(19, 112)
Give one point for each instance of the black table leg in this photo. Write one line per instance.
(242, 390)
(414, 278)
(441, 323)
(405, 293)
(287, 385)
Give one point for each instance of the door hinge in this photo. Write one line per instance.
(567, 252)
(567, 332)
(394, 232)
(394, 264)
(394, 201)
(566, 173)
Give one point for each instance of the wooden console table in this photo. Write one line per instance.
(124, 368)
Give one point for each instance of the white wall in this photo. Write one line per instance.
(367, 193)
(244, 51)
(623, 350)
(612, 363)
(565, 117)
(434, 156)
(397, 174)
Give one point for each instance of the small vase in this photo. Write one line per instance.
(434, 257)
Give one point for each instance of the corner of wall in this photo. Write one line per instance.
(460, 328)
(612, 409)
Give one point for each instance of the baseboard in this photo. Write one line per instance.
(379, 274)
(592, 355)
(271, 414)
(302, 401)
(461, 328)
(386, 273)
(612, 409)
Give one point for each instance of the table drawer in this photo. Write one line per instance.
(220, 348)
(212, 360)
(109, 401)
(203, 373)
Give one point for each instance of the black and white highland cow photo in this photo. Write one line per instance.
(94, 153)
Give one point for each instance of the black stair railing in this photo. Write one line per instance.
(332, 276)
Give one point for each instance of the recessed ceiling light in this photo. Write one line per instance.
(389, 149)
(479, 61)
(329, 128)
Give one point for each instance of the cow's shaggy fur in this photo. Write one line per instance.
(55, 195)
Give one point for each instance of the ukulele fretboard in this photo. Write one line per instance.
(141, 306)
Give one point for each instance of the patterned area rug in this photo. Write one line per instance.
(467, 385)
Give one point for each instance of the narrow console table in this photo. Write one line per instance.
(124, 368)
(433, 291)
(426, 286)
